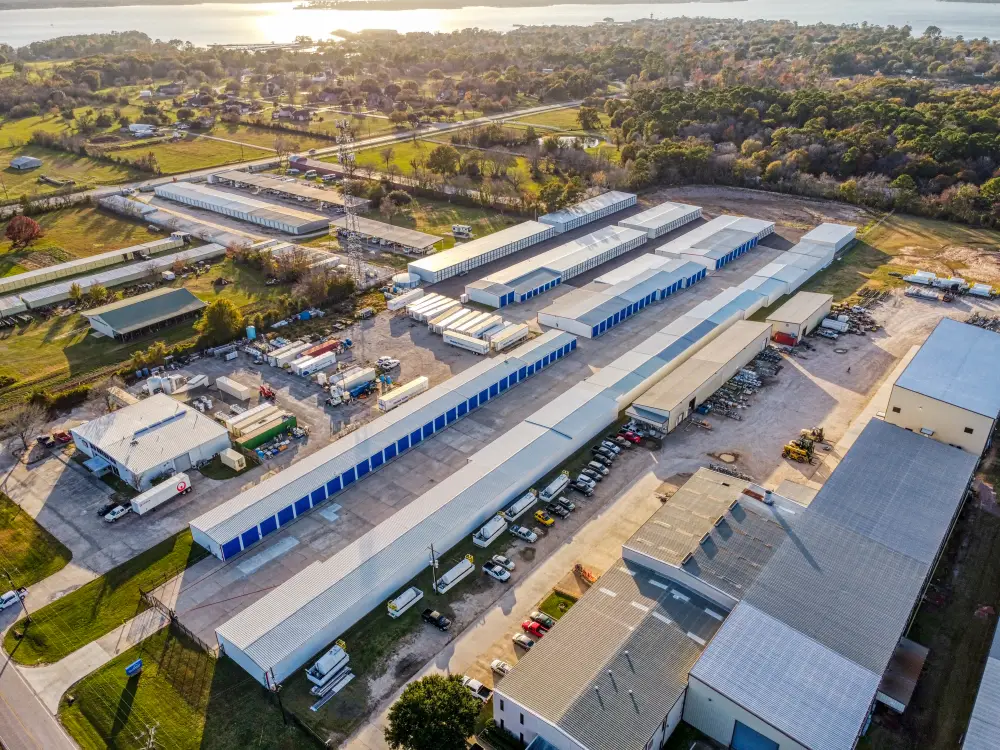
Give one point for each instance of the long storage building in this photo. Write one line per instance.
(243, 207)
(589, 210)
(137, 316)
(799, 316)
(463, 258)
(719, 241)
(659, 220)
(311, 195)
(241, 522)
(529, 278)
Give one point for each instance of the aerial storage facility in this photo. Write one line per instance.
(465, 257)
(984, 724)
(241, 522)
(719, 241)
(243, 207)
(314, 197)
(659, 220)
(587, 211)
(529, 278)
(799, 316)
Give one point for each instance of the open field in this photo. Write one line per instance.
(264, 137)
(61, 166)
(436, 217)
(98, 607)
(366, 126)
(27, 551)
(192, 153)
(200, 703)
(72, 233)
(565, 119)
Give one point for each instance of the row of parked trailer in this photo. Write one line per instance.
(473, 330)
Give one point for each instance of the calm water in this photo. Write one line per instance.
(278, 22)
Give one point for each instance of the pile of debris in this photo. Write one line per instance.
(872, 298)
(858, 318)
(989, 322)
(730, 471)
(735, 393)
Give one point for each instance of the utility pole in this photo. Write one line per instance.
(352, 242)
(434, 565)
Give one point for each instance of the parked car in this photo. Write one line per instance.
(500, 666)
(611, 447)
(436, 619)
(106, 508)
(520, 639)
(602, 460)
(10, 598)
(533, 628)
(584, 479)
(62, 437)
(543, 619)
(45, 440)
(591, 474)
(478, 689)
(544, 518)
(567, 504)
(584, 489)
(503, 562)
(631, 437)
(600, 450)
(556, 510)
(524, 533)
(598, 467)
(618, 440)
(117, 512)
(496, 571)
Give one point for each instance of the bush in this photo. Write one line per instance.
(61, 401)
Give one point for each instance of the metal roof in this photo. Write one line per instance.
(713, 232)
(288, 186)
(830, 234)
(147, 434)
(533, 230)
(293, 217)
(634, 611)
(146, 309)
(400, 235)
(661, 215)
(800, 307)
(958, 364)
(828, 610)
(984, 725)
(586, 208)
(250, 507)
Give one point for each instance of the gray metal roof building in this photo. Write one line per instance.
(659, 220)
(719, 241)
(145, 311)
(318, 197)
(984, 725)
(403, 236)
(806, 648)
(463, 258)
(589, 210)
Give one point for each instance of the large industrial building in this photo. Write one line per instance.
(618, 295)
(463, 258)
(137, 316)
(984, 724)
(529, 278)
(82, 265)
(589, 210)
(282, 218)
(146, 440)
(765, 625)
(241, 522)
(403, 238)
(286, 187)
(719, 241)
(799, 316)
(659, 220)
(950, 390)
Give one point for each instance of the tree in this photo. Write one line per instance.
(75, 293)
(551, 195)
(22, 231)
(221, 321)
(444, 160)
(387, 154)
(990, 190)
(23, 422)
(589, 118)
(102, 394)
(98, 294)
(434, 713)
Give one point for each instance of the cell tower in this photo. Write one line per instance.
(352, 242)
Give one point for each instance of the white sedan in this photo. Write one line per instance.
(500, 666)
(503, 562)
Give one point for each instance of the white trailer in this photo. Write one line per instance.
(474, 345)
(451, 578)
(509, 336)
(490, 531)
(479, 329)
(422, 302)
(289, 355)
(234, 389)
(469, 322)
(520, 506)
(398, 303)
(404, 601)
(404, 393)
(556, 486)
(345, 381)
(320, 362)
(981, 290)
(178, 484)
(281, 350)
(434, 310)
(469, 316)
(231, 421)
(447, 320)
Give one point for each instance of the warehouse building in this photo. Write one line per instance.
(837, 236)
(287, 188)
(282, 218)
(719, 241)
(139, 315)
(950, 391)
(11, 305)
(52, 294)
(598, 307)
(463, 258)
(397, 238)
(241, 522)
(529, 278)
(82, 265)
(659, 220)
(675, 398)
(984, 724)
(799, 316)
(156, 436)
(589, 210)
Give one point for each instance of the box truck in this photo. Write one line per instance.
(178, 484)
(466, 342)
(234, 389)
(402, 394)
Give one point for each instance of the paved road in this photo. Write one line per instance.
(25, 724)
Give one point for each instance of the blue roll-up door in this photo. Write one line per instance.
(301, 505)
(494, 390)
(484, 396)
(522, 373)
(347, 477)
(593, 331)
(572, 345)
(231, 548)
(745, 738)
(376, 460)
(472, 403)
(268, 526)
(452, 415)
(362, 468)
(390, 451)
(286, 515)
(531, 369)
(503, 301)
(333, 486)
(415, 437)
(503, 385)
(428, 430)
(251, 536)
(439, 423)
(318, 496)
(462, 409)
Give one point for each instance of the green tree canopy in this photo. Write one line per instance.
(220, 322)
(434, 713)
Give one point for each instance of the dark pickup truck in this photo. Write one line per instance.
(436, 619)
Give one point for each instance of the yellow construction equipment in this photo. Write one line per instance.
(815, 434)
(796, 453)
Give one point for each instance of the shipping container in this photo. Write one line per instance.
(252, 425)
(323, 347)
(288, 354)
(403, 393)
(328, 359)
(178, 484)
(280, 424)
(509, 336)
(474, 345)
(234, 389)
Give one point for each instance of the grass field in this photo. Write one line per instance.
(436, 217)
(27, 551)
(72, 233)
(555, 605)
(366, 126)
(82, 616)
(566, 119)
(199, 703)
(265, 138)
(193, 153)
(61, 166)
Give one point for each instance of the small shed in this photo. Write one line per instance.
(800, 315)
(233, 459)
(22, 163)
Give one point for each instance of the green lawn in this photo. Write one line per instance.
(83, 170)
(27, 551)
(367, 127)
(217, 470)
(551, 604)
(265, 137)
(436, 217)
(566, 119)
(82, 616)
(197, 702)
(193, 153)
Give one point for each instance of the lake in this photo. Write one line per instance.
(238, 23)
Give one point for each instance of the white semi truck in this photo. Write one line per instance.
(178, 484)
